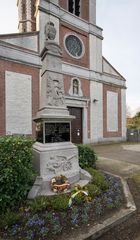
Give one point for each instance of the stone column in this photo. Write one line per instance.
(54, 154)
(92, 11)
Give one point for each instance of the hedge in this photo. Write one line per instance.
(15, 170)
(87, 156)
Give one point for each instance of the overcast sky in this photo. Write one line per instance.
(120, 20)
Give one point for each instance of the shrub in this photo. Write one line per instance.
(87, 156)
(98, 179)
(55, 202)
(93, 190)
(39, 204)
(59, 202)
(9, 218)
(15, 170)
(136, 179)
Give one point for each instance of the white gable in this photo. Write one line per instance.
(109, 69)
(22, 40)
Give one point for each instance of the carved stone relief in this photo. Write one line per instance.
(55, 92)
(59, 164)
(50, 31)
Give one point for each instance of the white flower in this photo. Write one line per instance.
(53, 180)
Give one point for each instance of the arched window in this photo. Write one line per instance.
(74, 7)
(75, 86)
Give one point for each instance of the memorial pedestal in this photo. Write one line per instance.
(54, 154)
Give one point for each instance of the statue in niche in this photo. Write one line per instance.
(50, 31)
(55, 93)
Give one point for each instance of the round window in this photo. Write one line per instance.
(74, 46)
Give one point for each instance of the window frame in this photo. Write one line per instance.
(74, 7)
(83, 46)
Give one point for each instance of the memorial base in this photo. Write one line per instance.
(55, 159)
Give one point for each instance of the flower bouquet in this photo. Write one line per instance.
(60, 184)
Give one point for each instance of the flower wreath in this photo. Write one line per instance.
(60, 184)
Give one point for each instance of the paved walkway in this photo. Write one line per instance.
(120, 159)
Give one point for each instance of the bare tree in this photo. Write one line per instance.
(137, 114)
(128, 111)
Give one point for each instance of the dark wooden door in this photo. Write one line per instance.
(76, 124)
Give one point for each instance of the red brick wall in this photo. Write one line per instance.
(23, 69)
(67, 29)
(107, 134)
(63, 4)
(85, 85)
(89, 132)
(84, 9)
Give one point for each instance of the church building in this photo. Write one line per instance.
(95, 92)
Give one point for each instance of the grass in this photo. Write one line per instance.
(136, 179)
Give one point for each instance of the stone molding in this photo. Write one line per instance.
(10, 52)
(81, 72)
(67, 17)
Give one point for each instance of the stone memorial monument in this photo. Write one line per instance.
(54, 154)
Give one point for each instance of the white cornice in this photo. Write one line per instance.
(9, 52)
(82, 72)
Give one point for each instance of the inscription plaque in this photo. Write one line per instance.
(52, 132)
(57, 132)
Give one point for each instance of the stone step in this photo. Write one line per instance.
(82, 183)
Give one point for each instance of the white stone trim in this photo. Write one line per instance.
(110, 140)
(83, 46)
(80, 23)
(81, 72)
(46, 6)
(112, 111)
(9, 52)
(18, 97)
(78, 71)
(29, 42)
(92, 11)
(68, 17)
(96, 111)
(123, 106)
(56, 2)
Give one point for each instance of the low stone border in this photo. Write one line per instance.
(116, 219)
